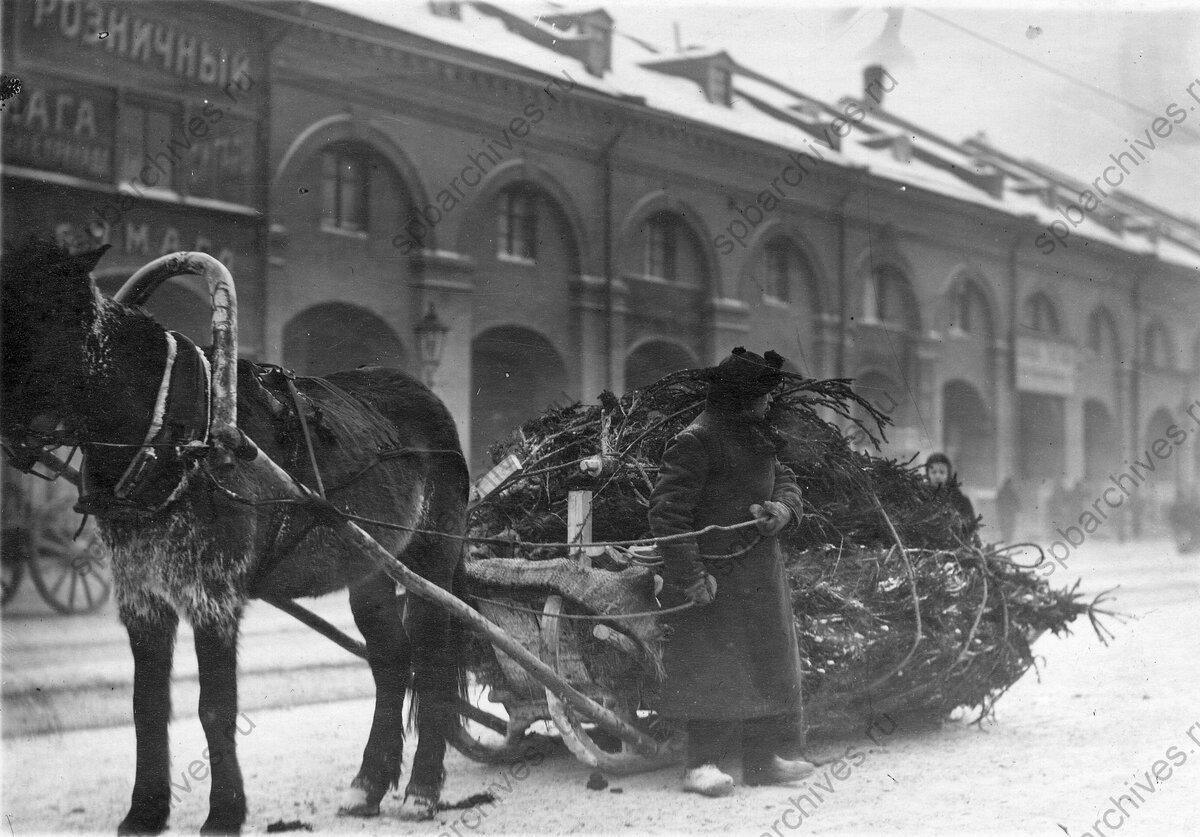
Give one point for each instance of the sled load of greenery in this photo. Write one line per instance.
(900, 607)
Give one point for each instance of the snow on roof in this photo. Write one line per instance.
(769, 111)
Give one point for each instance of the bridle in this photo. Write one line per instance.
(23, 446)
(176, 434)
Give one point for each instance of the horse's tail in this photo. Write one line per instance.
(459, 642)
(444, 648)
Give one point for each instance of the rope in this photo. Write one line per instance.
(308, 445)
(368, 521)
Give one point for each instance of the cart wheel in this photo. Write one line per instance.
(597, 748)
(69, 572)
(13, 553)
(486, 737)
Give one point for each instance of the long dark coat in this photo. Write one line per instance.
(737, 657)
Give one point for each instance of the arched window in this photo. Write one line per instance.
(344, 187)
(970, 309)
(782, 270)
(1102, 335)
(1158, 346)
(662, 239)
(887, 299)
(1040, 315)
(516, 219)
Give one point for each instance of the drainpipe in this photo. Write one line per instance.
(1135, 379)
(1011, 339)
(844, 276)
(605, 157)
(1013, 300)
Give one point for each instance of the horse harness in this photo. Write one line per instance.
(175, 439)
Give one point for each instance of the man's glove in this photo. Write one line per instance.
(771, 517)
(702, 591)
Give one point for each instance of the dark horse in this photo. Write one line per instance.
(80, 368)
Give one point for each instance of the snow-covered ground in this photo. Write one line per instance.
(1095, 724)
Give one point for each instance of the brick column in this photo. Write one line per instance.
(928, 392)
(730, 328)
(619, 308)
(1004, 397)
(825, 346)
(589, 307)
(446, 280)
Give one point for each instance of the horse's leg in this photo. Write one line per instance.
(216, 657)
(373, 602)
(151, 627)
(435, 680)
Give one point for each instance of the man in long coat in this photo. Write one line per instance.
(733, 660)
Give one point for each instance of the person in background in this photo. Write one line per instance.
(733, 659)
(1058, 505)
(1184, 519)
(1008, 505)
(940, 475)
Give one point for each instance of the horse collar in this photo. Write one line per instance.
(178, 428)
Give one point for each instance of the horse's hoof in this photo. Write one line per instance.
(213, 827)
(357, 803)
(141, 824)
(417, 807)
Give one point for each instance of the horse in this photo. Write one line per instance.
(197, 539)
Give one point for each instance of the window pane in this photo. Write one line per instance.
(964, 310)
(219, 164)
(131, 143)
(329, 186)
(655, 248)
(528, 218)
(160, 130)
(351, 204)
(669, 267)
(882, 292)
(777, 279)
(516, 223)
(504, 224)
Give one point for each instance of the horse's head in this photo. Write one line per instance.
(48, 307)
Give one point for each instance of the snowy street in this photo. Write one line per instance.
(1103, 722)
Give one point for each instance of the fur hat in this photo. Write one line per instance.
(744, 376)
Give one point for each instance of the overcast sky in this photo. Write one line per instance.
(1106, 74)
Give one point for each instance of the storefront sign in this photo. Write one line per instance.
(131, 33)
(1045, 366)
(146, 231)
(62, 127)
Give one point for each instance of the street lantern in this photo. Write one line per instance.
(431, 342)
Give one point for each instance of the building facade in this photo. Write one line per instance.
(139, 126)
(577, 234)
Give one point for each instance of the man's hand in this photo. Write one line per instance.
(771, 516)
(702, 591)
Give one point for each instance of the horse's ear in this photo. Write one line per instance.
(86, 262)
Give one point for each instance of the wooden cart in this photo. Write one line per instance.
(68, 565)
